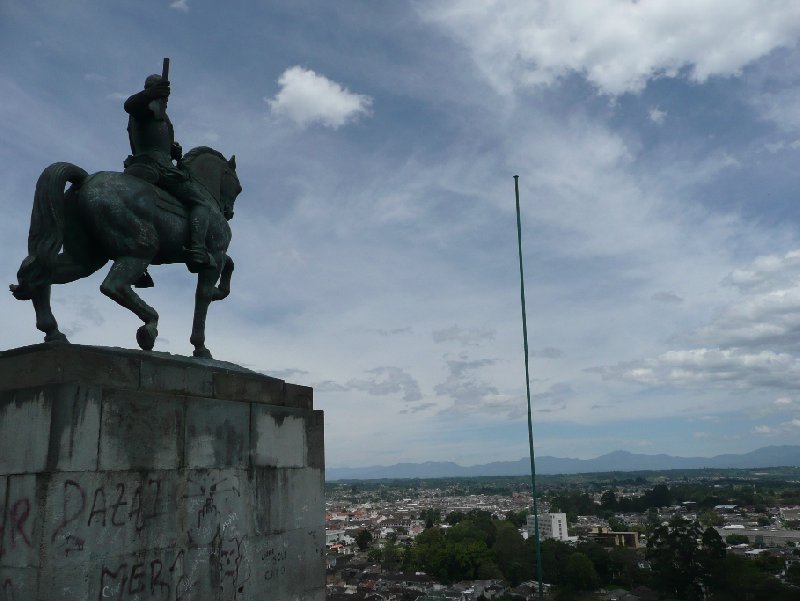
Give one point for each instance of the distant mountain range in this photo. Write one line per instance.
(616, 461)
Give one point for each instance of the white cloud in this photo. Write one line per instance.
(768, 320)
(763, 314)
(751, 344)
(307, 97)
(468, 389)
(787, 427)
(182, 5)
(388, 380)
(768, 272)
(618, 45)
(657, 116)
(701, 368)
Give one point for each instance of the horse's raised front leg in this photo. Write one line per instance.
(203, 296)
(117, 286)
(224, 288)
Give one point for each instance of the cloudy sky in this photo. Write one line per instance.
(658, 148)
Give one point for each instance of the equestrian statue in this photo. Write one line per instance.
(166, 207)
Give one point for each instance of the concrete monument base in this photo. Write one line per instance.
(137, 476)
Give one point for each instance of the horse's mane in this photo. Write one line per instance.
(200, 150)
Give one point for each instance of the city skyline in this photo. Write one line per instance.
(657, 144)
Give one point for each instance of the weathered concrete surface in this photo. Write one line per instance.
(136, 476)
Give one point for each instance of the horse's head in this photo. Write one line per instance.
(229, 188)
(217, 174)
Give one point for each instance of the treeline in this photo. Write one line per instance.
(674, 562)
(705, 497)
(575, 503)
(684, 569)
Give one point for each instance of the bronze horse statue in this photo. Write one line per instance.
(117, 217)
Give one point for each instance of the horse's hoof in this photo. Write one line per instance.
(146, 337)
(56, 338)
(202, 353)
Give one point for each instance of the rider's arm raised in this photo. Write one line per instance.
(139, 104)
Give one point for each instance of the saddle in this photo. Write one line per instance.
(148, 173)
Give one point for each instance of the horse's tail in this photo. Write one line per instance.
(46, 234)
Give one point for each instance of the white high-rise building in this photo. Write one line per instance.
(551, 525)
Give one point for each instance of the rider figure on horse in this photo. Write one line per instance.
(153, 149)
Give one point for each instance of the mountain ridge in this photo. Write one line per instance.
(615, 461)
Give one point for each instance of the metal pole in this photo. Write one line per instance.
(528, 390)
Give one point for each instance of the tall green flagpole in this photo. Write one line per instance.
(528, 390)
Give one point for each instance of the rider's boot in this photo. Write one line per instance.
(197, 256)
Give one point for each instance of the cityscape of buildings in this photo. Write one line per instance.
(358, 571)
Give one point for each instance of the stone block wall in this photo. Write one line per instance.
(148, 477)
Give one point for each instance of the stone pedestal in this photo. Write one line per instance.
(136, 476)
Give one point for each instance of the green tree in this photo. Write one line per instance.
(600, 558)
(431, 517)
(363, 539)
(713, 546)
(739, 578)
(485, 521)
(624, 567)
(467, 531)
(617, 525)
(767, 562)
(659, 496)
(609, 500)
(459, 554)
(554, 559)
(652, 521)
(511, 554)
(430, 552)
(681, 566)
(518, 518)
(580, 574)
(575, 502)
(488, 570)
(454, 517)
(674, 554)
(793, 574)
(392, 554)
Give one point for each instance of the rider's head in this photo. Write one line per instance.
(152, 80)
